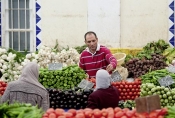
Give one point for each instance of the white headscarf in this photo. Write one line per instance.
(30, 74)
(102, 79)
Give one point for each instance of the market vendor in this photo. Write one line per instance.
(96, 56)
(104, 95)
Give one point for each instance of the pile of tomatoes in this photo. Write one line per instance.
(3, 86)
(104, 113)
(128, 90)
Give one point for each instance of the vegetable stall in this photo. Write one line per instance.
(149, 72)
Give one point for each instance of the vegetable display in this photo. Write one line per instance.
(104, 113)
(66, 78)
(153, 76)
(171, 112)
(18, 110)
(3, 86)
(167, 97)
(157, 47)
(67, 99)
(130, 104)
(128, 90)
(138, 67)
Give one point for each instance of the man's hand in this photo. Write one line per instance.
(109, 68)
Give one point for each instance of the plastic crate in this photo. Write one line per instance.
(125, 50)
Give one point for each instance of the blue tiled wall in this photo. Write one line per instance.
(38, 19)
(171, 23)
(0, 24)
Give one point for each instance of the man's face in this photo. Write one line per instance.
(91, 42)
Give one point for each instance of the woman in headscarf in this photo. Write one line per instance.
(27, 88)
(104, 95)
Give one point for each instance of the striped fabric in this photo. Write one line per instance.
(91, 63)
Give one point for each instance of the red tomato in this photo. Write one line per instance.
(68, 114)
(160, 117)
(121, 86)
(153, 114)
(124, 117)
(114, 83)
(1, 88)
(125, 110)
(124, 90)
(59, 111)
(130, 113)
(121, 93)
(97, 113)
(111, 115)
(123, 98)
(128, 97)
(117, 109)
(73, 111)
(80, 115)
(134, 93)
(80, 111)
(61, 117)
(52, 115)
(45, 115)
(119, 89)
(132, 89)
(138, 115)
(119, 114)
(123, 82)
(104, 112)
(138, 94)
(126, 93)
(101, 117)
(134, 86)
(128, 90)
(130, 86)
(137, 89)
(87, 109)
(50, 110)
(164, 111)
(88, 114)
(130, 93)
(133, 97)
(126, 86)
(109, 109)
(3, 84)
(131, 83)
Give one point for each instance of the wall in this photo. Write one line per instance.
(143, 21)
(69, 20)
(64, 20)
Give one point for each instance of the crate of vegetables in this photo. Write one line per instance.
(66, 99)
(67, 78)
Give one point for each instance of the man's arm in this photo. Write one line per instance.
(111, 60)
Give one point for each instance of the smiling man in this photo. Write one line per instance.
(96, 56)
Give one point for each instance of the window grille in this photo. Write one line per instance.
(19, 26)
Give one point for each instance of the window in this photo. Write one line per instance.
(18, 24)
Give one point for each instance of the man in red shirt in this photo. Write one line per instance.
(96, 56)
